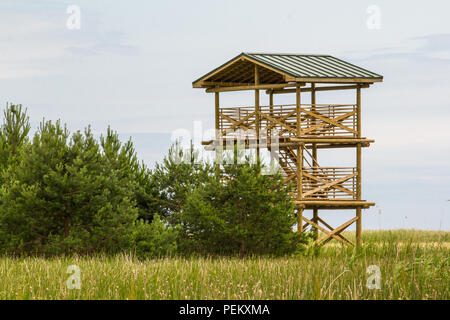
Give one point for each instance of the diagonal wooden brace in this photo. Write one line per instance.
(312, 177)
(281, 123)
(236, 122)
(328, 234)
(337, 231)
(330, 184)
(331, 228)
(328, 121)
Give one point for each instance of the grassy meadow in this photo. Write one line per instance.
(413, 265)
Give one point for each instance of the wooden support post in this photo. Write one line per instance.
(358, 168)
(298, 107)
(299, 159)
(314, 160)
(300, 220)
(271, 100)
(217, 111)
(257, 115)
(271, 109)
(217, 125)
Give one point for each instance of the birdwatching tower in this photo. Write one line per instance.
(304, 128)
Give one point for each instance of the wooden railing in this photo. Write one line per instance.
(329, 183)
(318, 120)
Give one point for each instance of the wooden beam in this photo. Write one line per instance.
(336, 203)
(207, 84)
(251, 87)
(333, 140)
(212, 147)
(335, 146)
(324, 88)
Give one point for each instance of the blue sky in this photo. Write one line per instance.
(131, 65)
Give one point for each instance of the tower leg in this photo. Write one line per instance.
(300, 220)
(358, 228)
(316, 220)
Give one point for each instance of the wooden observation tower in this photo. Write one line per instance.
(303, 128)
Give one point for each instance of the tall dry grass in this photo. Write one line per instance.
(413, 265)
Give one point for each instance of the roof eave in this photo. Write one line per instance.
(197, 84)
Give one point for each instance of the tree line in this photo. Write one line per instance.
(70, 193)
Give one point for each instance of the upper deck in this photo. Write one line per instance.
(317, 121)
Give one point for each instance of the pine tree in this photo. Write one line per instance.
(178, 176)
(66, 195)
(241, 211)
(13, 133)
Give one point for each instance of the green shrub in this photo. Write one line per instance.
(155, 239)
(240, 211)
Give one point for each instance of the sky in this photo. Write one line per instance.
(131, 64)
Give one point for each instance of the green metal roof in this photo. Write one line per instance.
(312, 66)
(305, 66)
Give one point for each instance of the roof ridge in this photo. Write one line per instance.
(286, 54)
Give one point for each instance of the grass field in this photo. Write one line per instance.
(413, 265)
